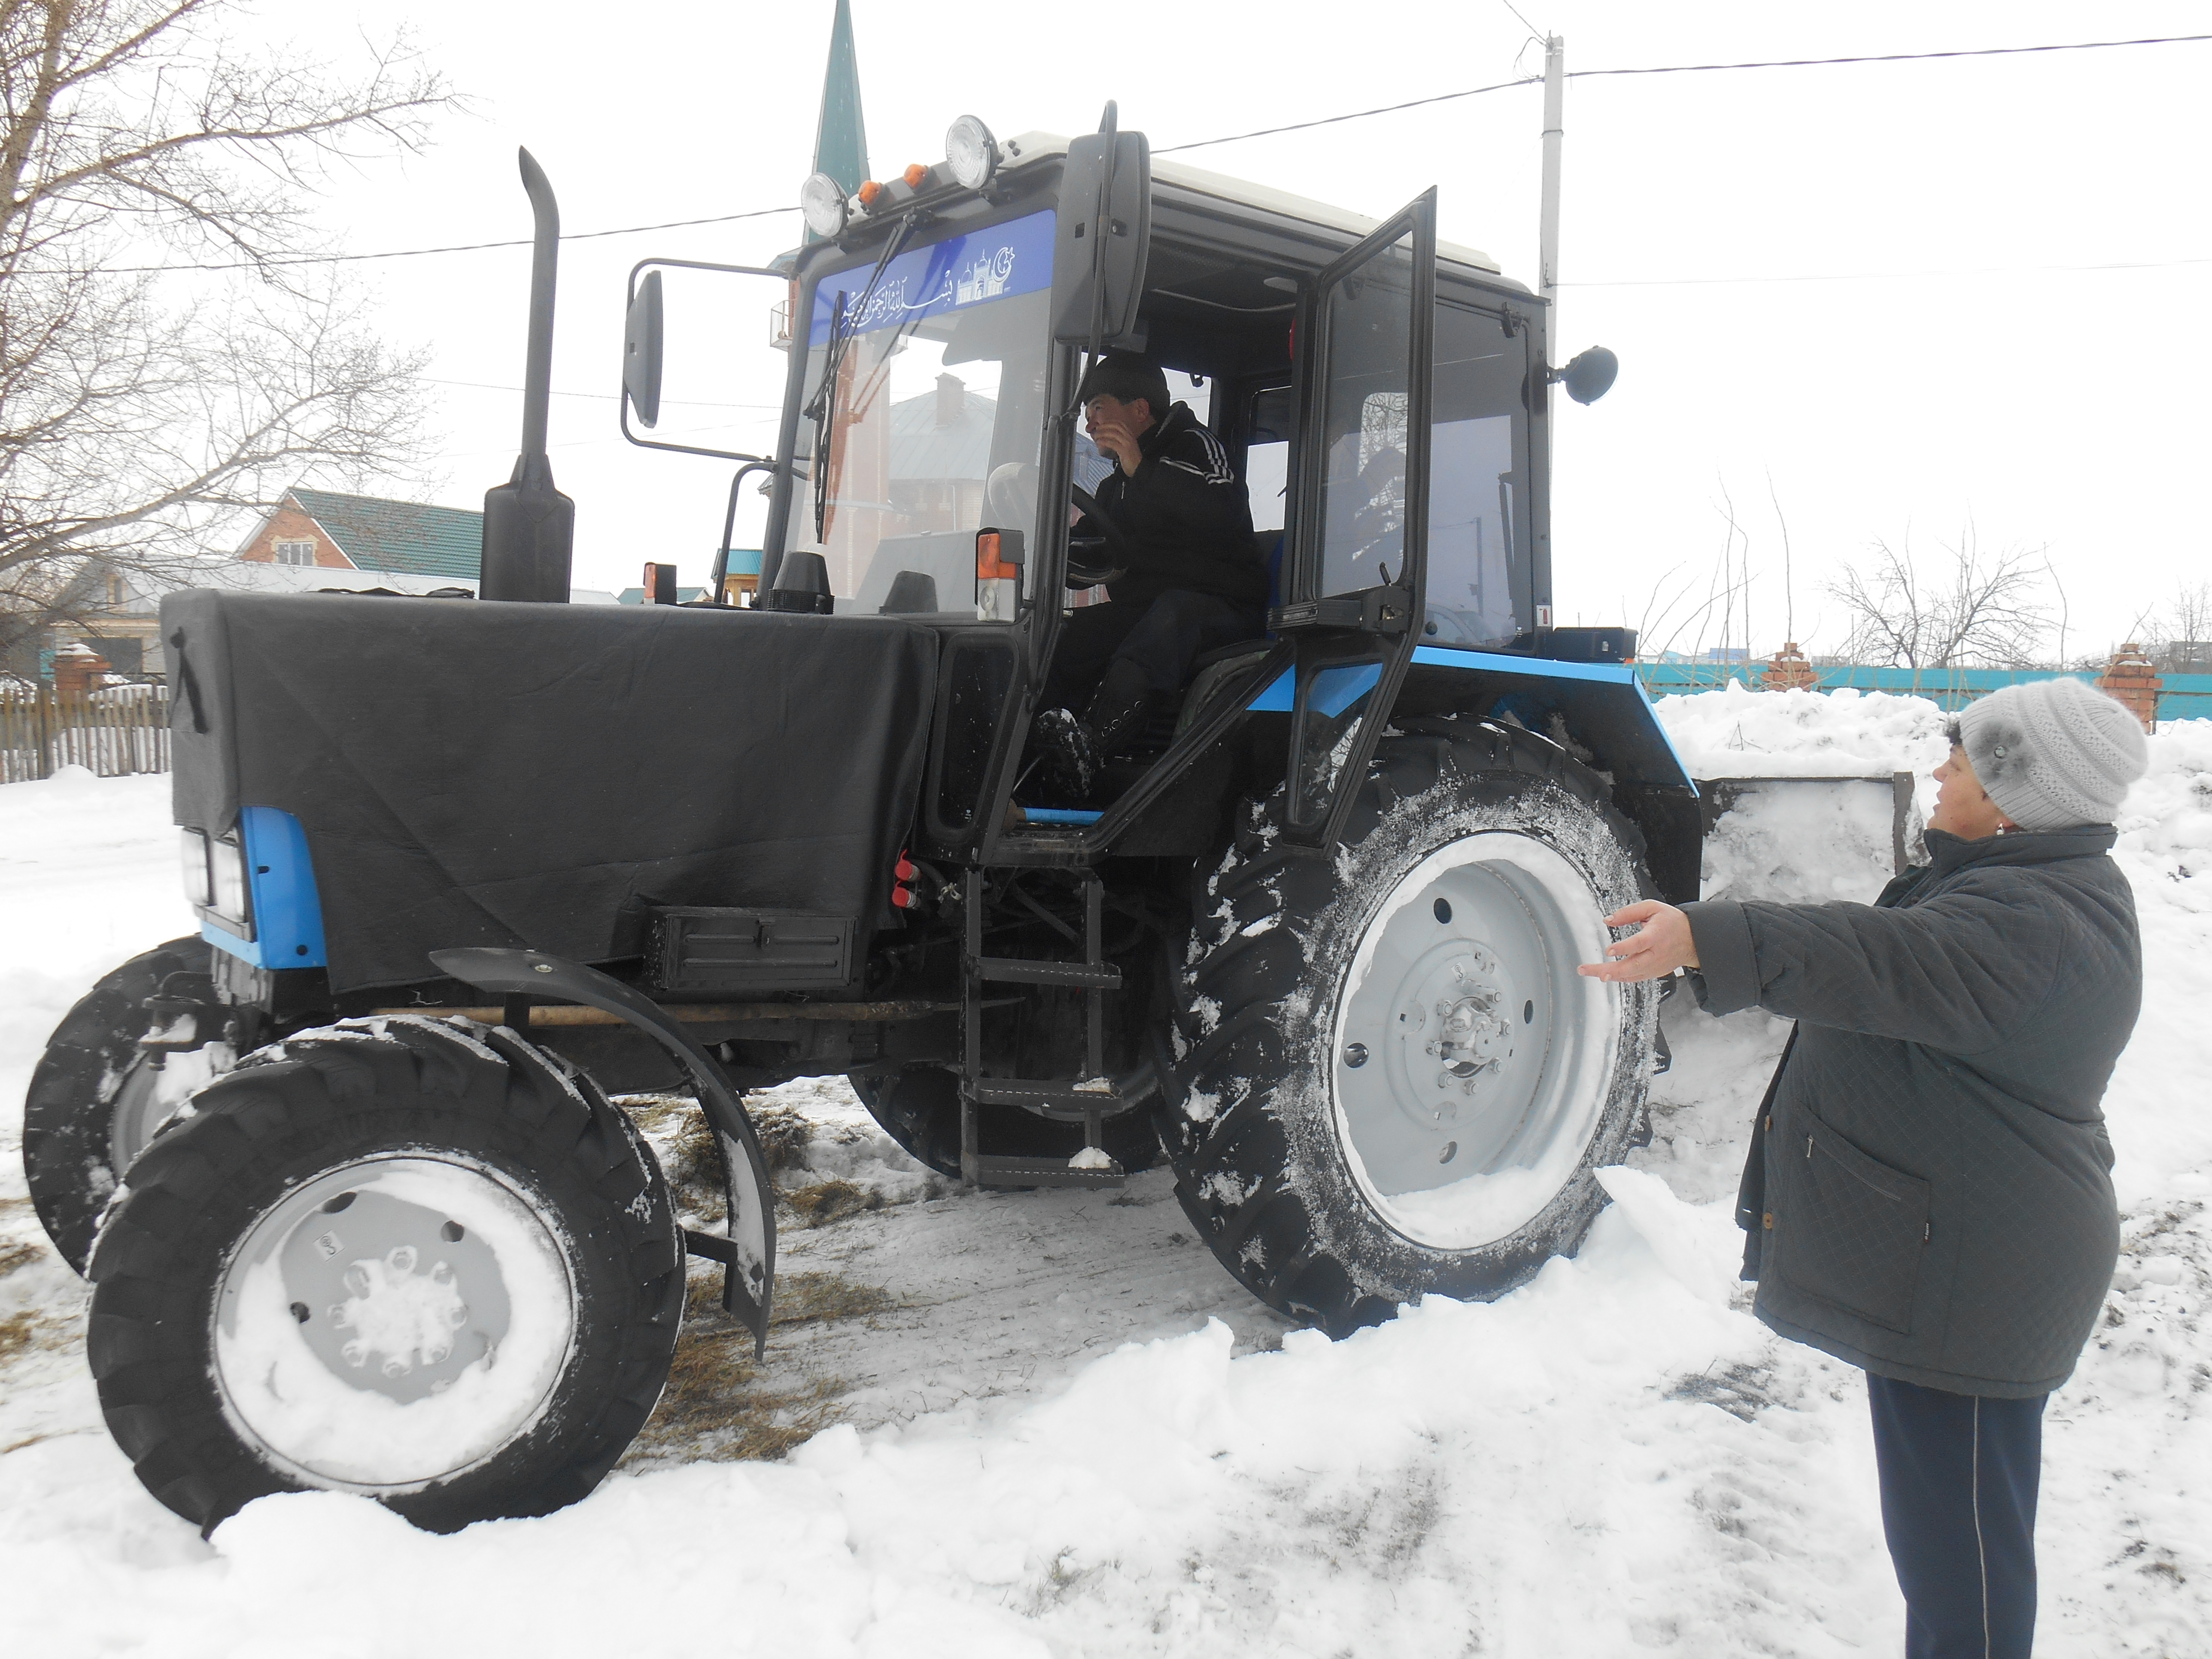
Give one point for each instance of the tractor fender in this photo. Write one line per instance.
(749, 1275)
(1604, 708)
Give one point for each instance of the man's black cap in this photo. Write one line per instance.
(1126, 376)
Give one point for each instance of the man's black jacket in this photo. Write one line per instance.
(1184, 518)
(1929, 1193)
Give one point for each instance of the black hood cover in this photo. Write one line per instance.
(541, 776)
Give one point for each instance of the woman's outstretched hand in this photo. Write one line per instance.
(1660, 946)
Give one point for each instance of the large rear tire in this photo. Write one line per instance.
(1394, 1082)
(97, 1097)
(420, 1260)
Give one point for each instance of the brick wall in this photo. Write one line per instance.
(289, 524)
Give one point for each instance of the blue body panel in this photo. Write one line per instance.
(287, 912)
(1606, 696)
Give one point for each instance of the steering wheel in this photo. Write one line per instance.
(1093, 560)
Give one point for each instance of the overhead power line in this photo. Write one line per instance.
(454, 248)
(1687, 68)
(1204, 143)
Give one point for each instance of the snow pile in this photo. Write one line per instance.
(837, 1141)
(1740, 733)
(2157, 1093)
(1616, 1457)
(1806, 843)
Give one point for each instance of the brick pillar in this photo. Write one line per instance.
(75, 668)
(2132, 678)
(1789, 672)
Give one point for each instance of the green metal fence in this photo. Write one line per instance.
(2182, 697)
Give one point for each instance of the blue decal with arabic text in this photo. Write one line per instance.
(953, 275)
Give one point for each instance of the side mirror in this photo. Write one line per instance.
(1104, 237)
(642, 342)
(1590, 375)
(686, 339)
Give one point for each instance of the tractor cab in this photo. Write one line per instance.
(1382, 399)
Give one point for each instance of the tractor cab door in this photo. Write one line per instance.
(1359, 527)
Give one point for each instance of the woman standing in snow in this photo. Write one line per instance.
(1928, 1193)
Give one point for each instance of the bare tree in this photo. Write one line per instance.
(2179, 632)
(143, 390)
(1983, 610)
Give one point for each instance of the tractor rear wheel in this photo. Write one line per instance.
(1393, 1080)
(416, 1260)
(919, 1107)
(97, 1096)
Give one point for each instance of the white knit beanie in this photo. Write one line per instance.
(2053, 753)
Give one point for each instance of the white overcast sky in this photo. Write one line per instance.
(1941, 348)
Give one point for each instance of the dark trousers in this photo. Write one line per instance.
(1160, 639)
(1958, 1479)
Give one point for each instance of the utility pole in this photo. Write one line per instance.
(1547, 248)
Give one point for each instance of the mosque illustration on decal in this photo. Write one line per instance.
(984, 280)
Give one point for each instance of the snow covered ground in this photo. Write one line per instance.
(1049, 1424)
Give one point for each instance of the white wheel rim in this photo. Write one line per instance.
(393, 1321)
(145, 1097)
(1469, 1063)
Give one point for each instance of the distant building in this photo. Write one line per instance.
(319, 529)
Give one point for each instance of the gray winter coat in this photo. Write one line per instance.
(1929, 1193)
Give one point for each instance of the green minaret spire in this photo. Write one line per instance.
(841, 141)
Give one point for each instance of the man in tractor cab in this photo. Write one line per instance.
(1184, 574)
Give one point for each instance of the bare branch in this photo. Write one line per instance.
(1988, 613)
(128, 419)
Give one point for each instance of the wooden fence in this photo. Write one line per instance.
(114, 731)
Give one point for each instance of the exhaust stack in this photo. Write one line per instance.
(529, 526)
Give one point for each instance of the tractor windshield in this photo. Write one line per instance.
(924, 410)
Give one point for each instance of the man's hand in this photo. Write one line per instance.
(1117, 435)
(1658, 947)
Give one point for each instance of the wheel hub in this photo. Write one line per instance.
(1466, 1036)
(393, 1295)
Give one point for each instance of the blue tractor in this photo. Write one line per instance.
(344, 1171)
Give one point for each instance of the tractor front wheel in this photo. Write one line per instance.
(97, 1096)
(420, 1260)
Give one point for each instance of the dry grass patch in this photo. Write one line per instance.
(719, 1407)
(694, 1168)
(17, 1334)
(32, 1331)
(785, 1133)
(13, 1256)
(830, 1200)
(802, 1298)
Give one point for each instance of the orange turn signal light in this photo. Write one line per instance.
(870, 193)
(989, 566)
(913, 176)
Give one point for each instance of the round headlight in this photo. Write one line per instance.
(822, 204)
(971, 155)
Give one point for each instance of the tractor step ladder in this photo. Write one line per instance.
(1086, 1100)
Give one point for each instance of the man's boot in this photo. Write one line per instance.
(1073, 750)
